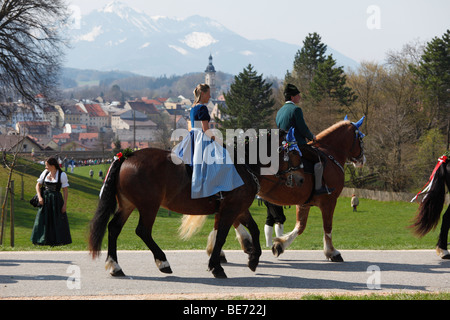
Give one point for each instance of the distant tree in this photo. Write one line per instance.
(31, 45)
(249, 103)
(117, 146)
(392, 145)
(330, 82)
(307, 59)
(431, 147)
(115, 94)
(433, 76)
(366, 82)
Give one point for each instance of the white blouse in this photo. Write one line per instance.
(64, 179)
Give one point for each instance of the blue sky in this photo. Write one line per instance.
(364, 30)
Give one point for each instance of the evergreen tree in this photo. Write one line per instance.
(249, 103)
(330, 82)
(433, 76)
(307, 59)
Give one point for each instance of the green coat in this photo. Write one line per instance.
(290, 116)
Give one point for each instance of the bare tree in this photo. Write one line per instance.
(392, 143)
(30, 57)
(31, 44)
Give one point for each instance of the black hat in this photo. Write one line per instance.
(291, 90)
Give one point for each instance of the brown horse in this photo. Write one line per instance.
(339, 143)
(149, 178)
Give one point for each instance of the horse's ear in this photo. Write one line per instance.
(360, 122)
(346, 118)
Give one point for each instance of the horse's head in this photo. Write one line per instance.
(356, 154)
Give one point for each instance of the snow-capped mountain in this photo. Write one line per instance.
(119, 37)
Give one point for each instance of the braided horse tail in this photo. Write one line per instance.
(106, 207)
(432, 204)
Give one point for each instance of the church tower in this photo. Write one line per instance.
(210, 77)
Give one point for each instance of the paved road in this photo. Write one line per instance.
(51, 274)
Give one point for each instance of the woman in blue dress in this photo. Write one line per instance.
(213, 170)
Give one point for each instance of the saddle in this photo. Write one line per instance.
(311, 156)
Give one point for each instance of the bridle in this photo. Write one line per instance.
(358, 136)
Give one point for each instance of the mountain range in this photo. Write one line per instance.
(119, 37)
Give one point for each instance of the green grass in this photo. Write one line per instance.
(394, 296)
(377, 225)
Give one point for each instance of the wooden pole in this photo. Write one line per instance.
(2, 217)
(12, 214)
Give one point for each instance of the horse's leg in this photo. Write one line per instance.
(255, 247)
(212, 241)
(327, 218)
(144, 231)
(226, 219)
(441, 247)
(244, 237)
(114, 228)
(282, 243)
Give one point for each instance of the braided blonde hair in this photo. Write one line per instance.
(201, 88)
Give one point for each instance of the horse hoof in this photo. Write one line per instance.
(277, 249)
(252, 265)
(443, 253)
(167, 270)
(118, 274)
(337, 258)
(219, 273)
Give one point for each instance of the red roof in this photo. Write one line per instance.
(95, 110)
(89, 136)
(151, 101)
(62, 136)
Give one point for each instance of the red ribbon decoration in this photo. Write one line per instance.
(428, 185)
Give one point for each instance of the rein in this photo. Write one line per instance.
(358, 136)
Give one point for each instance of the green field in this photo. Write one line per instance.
(377, 225)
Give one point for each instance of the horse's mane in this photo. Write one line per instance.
(325, 133)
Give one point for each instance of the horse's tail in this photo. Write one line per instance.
(431, 206)
(190, 225)
(105, 208)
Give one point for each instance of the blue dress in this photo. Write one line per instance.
(213, 169)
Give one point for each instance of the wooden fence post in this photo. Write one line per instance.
(11, 216)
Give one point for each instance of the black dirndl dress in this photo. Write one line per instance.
(51, 226)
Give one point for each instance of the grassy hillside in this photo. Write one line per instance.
(377, 225)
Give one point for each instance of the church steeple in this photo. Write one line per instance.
(210, 77)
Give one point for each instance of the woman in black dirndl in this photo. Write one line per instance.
(51, 226)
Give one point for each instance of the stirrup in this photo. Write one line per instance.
(323, 190)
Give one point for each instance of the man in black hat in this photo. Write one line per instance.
(290, 115)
